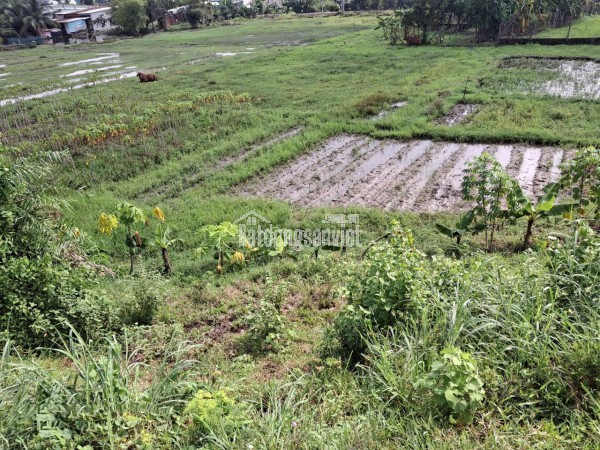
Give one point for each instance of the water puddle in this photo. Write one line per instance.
(85, 71)
(225, 54)
(98, 60)
(385, 112)
(12, 101)
(566, 78)
(458, 114)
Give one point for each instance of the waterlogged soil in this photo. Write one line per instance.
(386, 112)
(418, 175)
(566, 78)
(458, 114)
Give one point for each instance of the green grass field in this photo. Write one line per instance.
(587, 27)
(225, 89)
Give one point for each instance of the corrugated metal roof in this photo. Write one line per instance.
(70, 20)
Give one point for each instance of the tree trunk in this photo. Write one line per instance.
(528, 233)
(168, 268)
(131, 258)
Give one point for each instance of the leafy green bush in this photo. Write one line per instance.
(455, 385)
(40, 290)
(266, 329)
(210, 412)
(380, 291)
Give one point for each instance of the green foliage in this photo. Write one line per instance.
(455, 385)
(100, 401)
(582, 175)
(392, 26)
(301, 6)
(194, 16)
(39, 290)
(266, 329)
(381, 291)
(521, 206)
(575, 266)
(226, 241)
(211, 412)
(129, 15)
(266, 326)
(461, 227)
(129, 215)
(487, 184)
(24, 17)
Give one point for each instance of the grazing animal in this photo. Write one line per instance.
(146, 77)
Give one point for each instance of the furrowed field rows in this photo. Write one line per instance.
(418, 175)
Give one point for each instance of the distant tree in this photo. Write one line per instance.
(24, 18)
(194, 17)
(129, 15)
(227, 10)
(301, 6)
(199, 12)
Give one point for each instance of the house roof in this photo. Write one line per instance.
(95, 10)
(74, 19)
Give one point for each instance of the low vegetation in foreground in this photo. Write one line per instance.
(133, 315)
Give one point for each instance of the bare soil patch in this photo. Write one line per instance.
(418, 175)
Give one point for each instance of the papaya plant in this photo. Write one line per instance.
(521, 206)
(486, 183)
(223, 238)
(129, 215)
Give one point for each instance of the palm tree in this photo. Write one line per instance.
(26, 17)
(36, 17)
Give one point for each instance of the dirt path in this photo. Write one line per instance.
(417, 175)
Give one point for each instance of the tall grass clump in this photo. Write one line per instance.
(529, 325)
(102, 398)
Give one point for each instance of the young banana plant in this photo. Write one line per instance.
(462, 227)
(162, 234)
(519, 205)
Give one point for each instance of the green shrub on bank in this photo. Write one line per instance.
(43, 285)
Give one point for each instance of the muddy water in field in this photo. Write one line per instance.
(567, 78)
(417, 175)
(458, 114)
(99, 60)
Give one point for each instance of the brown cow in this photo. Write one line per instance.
(146, 77)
